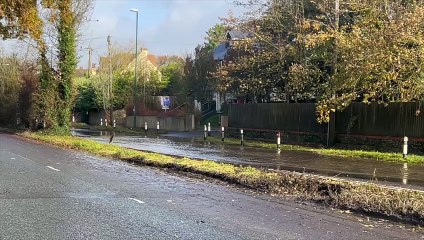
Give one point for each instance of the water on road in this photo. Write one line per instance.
(193, 147)
(53, 193)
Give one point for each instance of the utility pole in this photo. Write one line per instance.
(337, 13)
(90, 53)
(336, 27)
(110, 91)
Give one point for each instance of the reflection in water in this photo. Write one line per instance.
(299, 161)
(405, 173)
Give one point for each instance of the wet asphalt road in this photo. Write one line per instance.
(50, 193)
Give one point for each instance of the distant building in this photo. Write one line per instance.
(144, 64)
(222, 53)
(119, 61)
(83, 72)
(124, 61)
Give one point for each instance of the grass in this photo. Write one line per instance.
(213, 119)
(344, 153)
(369, 197)
(80, 125)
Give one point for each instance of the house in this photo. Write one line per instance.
(126, 61)
(82, 72)
(119, 60)
(145, 64)
(222, 53)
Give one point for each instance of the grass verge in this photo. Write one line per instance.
(368, 197)
(344, 153)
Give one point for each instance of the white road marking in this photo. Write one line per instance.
(134, 199)
(20, 156)
(52, 168)
(13, 158)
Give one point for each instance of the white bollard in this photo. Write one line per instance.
(206, 133)
(241, 137)
(106, 122)
(101, 122)
(73, 119)
(209, 129)
(405, 147)
(145, 127)
(222, 133)
(114, 123)
(278, 140)
(157, 126)
(405, 173)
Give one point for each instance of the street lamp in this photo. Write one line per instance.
(136, 60)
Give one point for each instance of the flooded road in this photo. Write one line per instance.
(193, 147)
(53, 193)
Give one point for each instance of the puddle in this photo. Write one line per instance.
(357, 168)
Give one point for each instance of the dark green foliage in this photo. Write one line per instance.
(122, 89)
(86, 96)
(173, 76)
(67, 62)
(216, 35)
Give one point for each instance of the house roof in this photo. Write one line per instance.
(220, 52)
(238, 35)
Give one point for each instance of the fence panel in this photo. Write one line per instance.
(396, 120)
(290, 117)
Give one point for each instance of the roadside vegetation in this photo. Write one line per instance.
(405, 204)
(343, 153)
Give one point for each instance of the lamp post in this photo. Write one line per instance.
(136, 60)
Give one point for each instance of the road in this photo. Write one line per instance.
(50, 193)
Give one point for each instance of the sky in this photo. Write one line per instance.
(166, 27)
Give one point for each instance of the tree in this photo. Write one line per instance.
(173, 77)
(55, 94)
(198, 72)
(9, 89)
(122, 89)
(86, 96)
(215, 36)
(329, 52)
(19, 18)
(55, 21)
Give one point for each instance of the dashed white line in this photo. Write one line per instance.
(20, 156)
(52, 168)
(139, 201)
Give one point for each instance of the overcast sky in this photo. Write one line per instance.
(166, 27)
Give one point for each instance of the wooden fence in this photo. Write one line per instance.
(359, 119)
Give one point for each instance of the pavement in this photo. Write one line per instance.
(51, 193)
